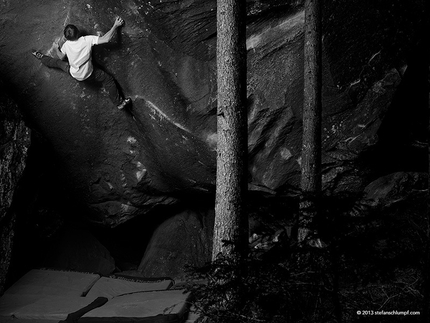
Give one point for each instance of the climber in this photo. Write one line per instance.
(79, 61)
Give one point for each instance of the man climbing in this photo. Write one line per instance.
(78, 50)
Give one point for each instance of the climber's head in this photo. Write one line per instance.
(71, 32)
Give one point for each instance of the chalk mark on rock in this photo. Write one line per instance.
(162, 114)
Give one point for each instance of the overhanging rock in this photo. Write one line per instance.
(123, 164)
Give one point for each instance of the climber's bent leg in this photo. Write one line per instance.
(109, 84)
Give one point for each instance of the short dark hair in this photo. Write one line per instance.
(71, 32)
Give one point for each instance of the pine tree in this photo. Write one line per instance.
(426, 271)
(231, 222)
(311, 145)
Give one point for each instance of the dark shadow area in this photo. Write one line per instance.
(41, 203)
(402, 144)
(128, 241)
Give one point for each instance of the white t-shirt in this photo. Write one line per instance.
(79, 55)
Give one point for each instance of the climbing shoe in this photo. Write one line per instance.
(124, 103)
(37, 54)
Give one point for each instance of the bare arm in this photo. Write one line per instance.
(56, 47)
(60, 53)
(108, 36)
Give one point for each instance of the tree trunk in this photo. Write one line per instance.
(426, 271)
(311, 145)
(426, 268)
(231, 222)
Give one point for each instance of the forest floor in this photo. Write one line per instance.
(371, 270)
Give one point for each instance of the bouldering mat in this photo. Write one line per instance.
(115, 286)
(49, 296)
(40, 283)
(52, 307)
(155, 307)
(53, 282)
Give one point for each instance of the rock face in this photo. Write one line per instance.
(14, 143)
(396, 187)
(181, 241)
(123, 164)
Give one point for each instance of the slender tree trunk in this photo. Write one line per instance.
(426, 271)
(231, 222)
(311, 145)
(426, 266)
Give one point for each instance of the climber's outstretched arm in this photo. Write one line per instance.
(108, 36)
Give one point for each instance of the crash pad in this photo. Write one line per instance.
(54, 308)
(50, 295)
(160, 306)
(9, 304)
(53, 282)
(110, 287)
(40, 283)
